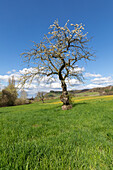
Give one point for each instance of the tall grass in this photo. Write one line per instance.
(42, 136)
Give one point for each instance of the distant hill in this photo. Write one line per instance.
(79, 93)
(100, 90)
(103, 90)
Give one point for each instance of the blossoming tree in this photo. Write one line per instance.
(58, 54)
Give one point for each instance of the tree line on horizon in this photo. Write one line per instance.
(9, 95)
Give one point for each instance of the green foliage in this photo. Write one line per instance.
(19, 101)
(42, 136)
(0, 98)
(40, 96)
(9, 94)
(0, 95)
(109, 91)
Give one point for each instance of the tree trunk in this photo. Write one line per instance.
(65, 96)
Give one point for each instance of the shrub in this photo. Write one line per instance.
(0, 98)
(19, 101)
(9, 95)
(107, 90)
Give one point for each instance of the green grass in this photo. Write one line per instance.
(87, 94)
(42, 136)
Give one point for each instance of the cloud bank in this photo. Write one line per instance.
(94, 80)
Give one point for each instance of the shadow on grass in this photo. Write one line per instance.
(58, 108)
(50, 109)
(75, 104)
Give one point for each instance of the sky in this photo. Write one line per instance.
(24, 21)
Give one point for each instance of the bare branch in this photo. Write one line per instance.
(59, 52)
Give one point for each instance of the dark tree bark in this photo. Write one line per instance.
(65, 96)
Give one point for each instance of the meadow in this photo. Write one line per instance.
(42, 136)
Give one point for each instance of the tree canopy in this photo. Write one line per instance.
(58, 54)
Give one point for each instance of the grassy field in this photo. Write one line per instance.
(87, 94)
(42, 136)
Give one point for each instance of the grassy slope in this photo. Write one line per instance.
(42, 136)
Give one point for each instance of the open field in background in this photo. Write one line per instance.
(82, 94)
(78, 99)
(87, 94)
(42, 136)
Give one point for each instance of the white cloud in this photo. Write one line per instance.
(28, 86)
(55, 85)
(103, 80)
(90, 86)
(77, 70)
(92, 75)
(73, 84)
(28, 70)
(4, 77)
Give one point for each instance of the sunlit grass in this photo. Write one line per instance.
(42, 136)
(78, 99)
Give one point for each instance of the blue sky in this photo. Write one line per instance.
(24, 21)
